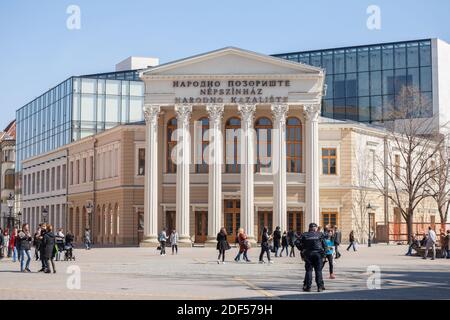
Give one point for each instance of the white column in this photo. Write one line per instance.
(215, 147)
(279, 112)
(151, 113)
(247, 162)
(312, 159)
(183, 112)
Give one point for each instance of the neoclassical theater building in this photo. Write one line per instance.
(312, 170)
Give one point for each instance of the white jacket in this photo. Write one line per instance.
(432, 236)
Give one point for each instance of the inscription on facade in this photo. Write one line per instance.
(231, 91)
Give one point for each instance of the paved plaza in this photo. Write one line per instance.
(140, 273)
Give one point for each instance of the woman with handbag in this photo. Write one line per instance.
(265, 246)
(222, 245)
(244, 245)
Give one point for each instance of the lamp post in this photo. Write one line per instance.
(10, 202)
(369, 241)
(45, 214)
(20, 218)
(89, 210)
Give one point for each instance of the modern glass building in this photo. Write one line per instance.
(76, 108)
(362, 81)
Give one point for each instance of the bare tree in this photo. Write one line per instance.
(413, 143)
(439, 183)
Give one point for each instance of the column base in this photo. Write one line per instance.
(184, 242)
(151, 241)
(211, 242)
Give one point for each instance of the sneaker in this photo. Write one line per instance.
(223, 262)
(320, 289)
(54, 271)
(424, 258)
(261, 261)
(218, 261)
(306, 289)
(27, 270)
(270, 261)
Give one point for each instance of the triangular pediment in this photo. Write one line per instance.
(231, 61)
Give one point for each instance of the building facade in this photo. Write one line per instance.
(7, 171)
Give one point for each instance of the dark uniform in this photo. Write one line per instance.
(313, 246)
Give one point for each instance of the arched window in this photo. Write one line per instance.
(263, 127)
(232, 151)
(202, 126)
(9, 180)
(293, 145)
(171, 143)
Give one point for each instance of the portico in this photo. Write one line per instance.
(232, 95)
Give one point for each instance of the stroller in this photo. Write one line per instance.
(68, 248)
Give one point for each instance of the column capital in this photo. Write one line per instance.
(151, 113)
(215, 112)
(279, 112)
(247, 112)
(183, 112)
(311, 111)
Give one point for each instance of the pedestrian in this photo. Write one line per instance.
(284, 244)
(2, 244)
(337, 238)
(68, 245)
(6, 244)
(312, 247)
(431, 243)
(244, 246)
(291, 241)
(162, 242)
(49, 252)
(414, 244)
(174, 241)
(87, 239)
(276, 240)
(222, 245)
(59, 243)
(37, 242)
(446, 245)
(13, 244)
(329, 241)
(40, 237)
(24, 246)
(424, 240)
(265, 246)
(351, 239)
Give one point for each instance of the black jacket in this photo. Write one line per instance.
(222, 243)
(312, 242)
(24, 241)
(49, 245)
(337, 238)
(276, 237)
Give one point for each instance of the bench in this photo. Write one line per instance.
(421, 252)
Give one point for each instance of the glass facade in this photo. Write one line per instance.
(362, 81)
(77, 108)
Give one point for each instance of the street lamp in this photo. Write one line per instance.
(369, 208)
(20, 218)
(45, 214)
(89, 210)
(10, 202)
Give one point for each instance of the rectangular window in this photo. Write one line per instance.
(91, 168)
(53, 176)
(329, 160)
(71, 173)
(141, 162)
(84, 171)
(77, 172)
(329, 218)
(397, 166)
(63, 176)
(47, 180)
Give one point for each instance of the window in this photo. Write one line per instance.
(71, 173)
(202, 167)
(329, 217)
(91, 168)
(232, 151)
(293, 145)
(58, 177)
(53, 176)
(77, 172)
(372, 164)
(84, 170)
(141, 162)
(397, 166)
(329, 159)
(47, 180)
(64, 176)
(9, 180)
(171, 143)
(263, 127)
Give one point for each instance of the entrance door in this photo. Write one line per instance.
(170, 221)
(232, 218)
(295, 221)
(265, 219)
(201, 226)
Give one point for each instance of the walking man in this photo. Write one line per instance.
(337, 238)
(174, 241)
(431, 243)
(162, 240)
(312, 247)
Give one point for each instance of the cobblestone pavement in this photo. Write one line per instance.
(140, 273)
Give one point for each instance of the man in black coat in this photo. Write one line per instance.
(312, 245)
(337, 238)
(276, 240)
(49, 243)
(41, 246)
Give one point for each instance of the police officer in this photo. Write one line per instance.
(312, 247)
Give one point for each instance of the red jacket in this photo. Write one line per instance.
(12, 241)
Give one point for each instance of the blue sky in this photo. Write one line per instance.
(37, 51)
